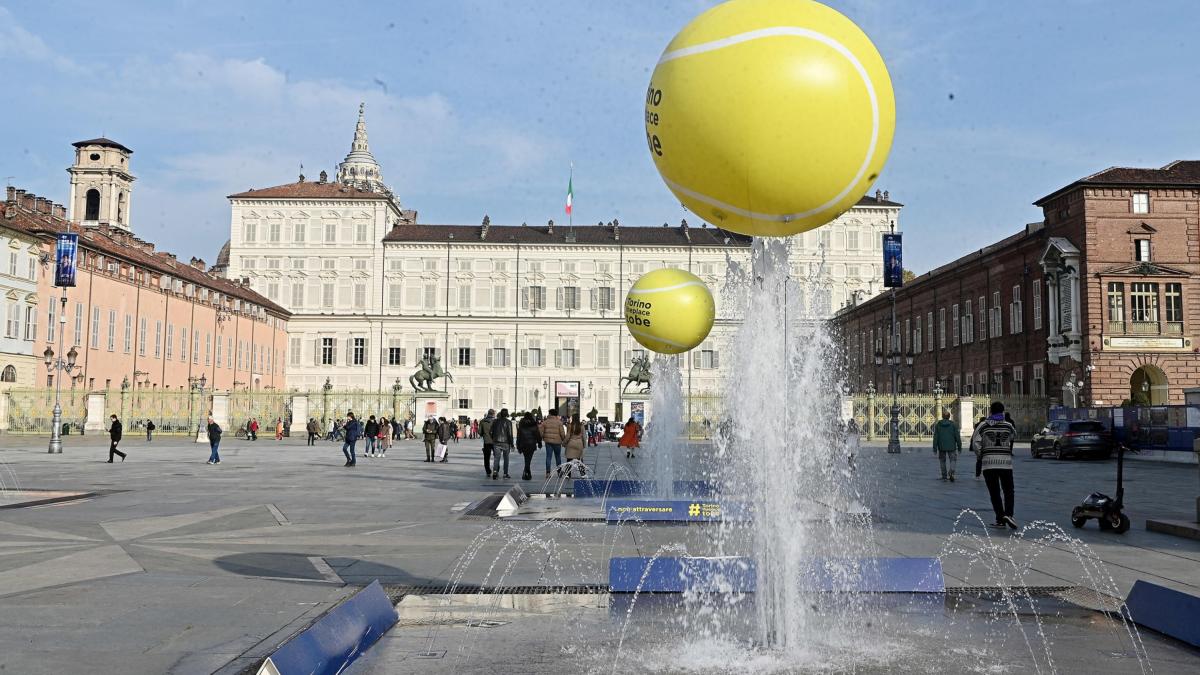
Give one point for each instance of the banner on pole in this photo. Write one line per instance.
(64, 260)
(893, 261)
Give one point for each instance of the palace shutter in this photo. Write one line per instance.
(558, 297)
(592, 302)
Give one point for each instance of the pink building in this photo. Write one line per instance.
(141, 316)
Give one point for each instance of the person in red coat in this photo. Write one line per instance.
(631, 437)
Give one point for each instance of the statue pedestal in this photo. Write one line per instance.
(431, 403)
(635, 405)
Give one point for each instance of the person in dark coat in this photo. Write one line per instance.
(529, 439)
(214, 440)
(353, 429)
(947, 443)
(429, 434)
(444, 435)
(150, 430)
(114, 435)
(371, 433)
(502, 442)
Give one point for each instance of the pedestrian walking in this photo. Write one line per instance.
(575, 444)
(214, 441)
(253, 429)
(429, 433)
(279, 428)
(993, 443)
(385, 436)
(371, 436)
(313, 429)
(630, 437)
(529, 439)
(553, 434)
(502, 442)
(444, 433)
(454, 430)
(853, 442)
(114, 437)
(150, 430)
(485, 432)
(352, 429)
(397, 429)
(947, 443)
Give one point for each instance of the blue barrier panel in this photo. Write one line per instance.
(732, 574)
(631, 488)
(333, 641)
(613, 488)
(1165, 610)
(674, 510)
(737, 575)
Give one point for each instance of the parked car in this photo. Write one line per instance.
(1062, 439)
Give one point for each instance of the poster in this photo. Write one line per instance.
(637, 410)
(64, 260)
(893, 261)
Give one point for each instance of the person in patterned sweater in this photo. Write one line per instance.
(992, 442)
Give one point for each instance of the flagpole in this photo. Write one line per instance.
(571, 215)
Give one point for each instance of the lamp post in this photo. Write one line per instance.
(68, 367)
(325, 389)
(893, 360)
(396, 386)
(198, 384)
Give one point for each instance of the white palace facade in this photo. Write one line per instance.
(514, 312)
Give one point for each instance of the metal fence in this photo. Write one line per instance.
(919, 413)
(264, 406)
(174, 412)
(30, 411)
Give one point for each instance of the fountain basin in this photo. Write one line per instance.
(738, 574)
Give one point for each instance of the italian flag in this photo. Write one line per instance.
(570, 193)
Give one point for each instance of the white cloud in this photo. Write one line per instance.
(18, 43)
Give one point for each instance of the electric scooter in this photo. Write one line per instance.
(1107, 511)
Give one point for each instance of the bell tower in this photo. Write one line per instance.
(101, 184)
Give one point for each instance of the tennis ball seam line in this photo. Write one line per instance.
(785, 31)
(655, 338)
(643, 291)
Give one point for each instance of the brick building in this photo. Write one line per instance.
(1096, 304)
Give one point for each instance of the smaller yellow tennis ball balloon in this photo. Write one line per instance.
(770, 117)
(669, 311)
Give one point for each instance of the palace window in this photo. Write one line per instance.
(394, 295)
(464, 356)
(1038, 387)
(251, 232)
(997, 317)
(534, 297)
(929, 329)
(1173, 301)
(499, 296)
(128, 343)
(536, 356)
(326, 352)
(941, 329)
(1143, 302)
(51, 325)
(497, 355)
(395, 356)
(1116, 302)
(112, 329)
(359, 351)
(968, 324)
(568, 298)
(706, 358)
(330, 233)
(603, 349)
(360, 232)
(1016, 319)
(273, 230)
(954, 324)
(1141, 250)
(1037, 304)
(170, 340)
(298, 295)
(1141, 202)
(464, 296)
(605, 298)
(360, 295)
(568, 356)
(157, 339)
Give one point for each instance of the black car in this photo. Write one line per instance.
(1062, 439)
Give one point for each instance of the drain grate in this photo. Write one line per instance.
(484, 507)
(1032, 591)
(472, 589)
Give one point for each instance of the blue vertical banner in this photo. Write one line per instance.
(893, 261)
(64, 260)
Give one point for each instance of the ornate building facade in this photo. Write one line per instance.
(516, 314)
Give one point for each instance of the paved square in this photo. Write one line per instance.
(178, 566)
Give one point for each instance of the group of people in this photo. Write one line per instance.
(992, 442)
(500, 438)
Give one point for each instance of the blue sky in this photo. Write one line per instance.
(479, 107)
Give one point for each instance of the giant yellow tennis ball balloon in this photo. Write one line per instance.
(669, 311)
(770, 117)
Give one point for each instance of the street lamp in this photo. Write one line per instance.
(68, 367)
(198, 384)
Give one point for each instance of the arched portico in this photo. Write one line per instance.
(1148, 385)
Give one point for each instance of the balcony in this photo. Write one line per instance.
(1145, 328)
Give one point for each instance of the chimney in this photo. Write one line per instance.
(885, 195)
(550, 227)
(12, 194)
(199, 264)
(42, 205)
(878, 194)
(60, 211)
(487, 225)
(21, 201)
(686, 233)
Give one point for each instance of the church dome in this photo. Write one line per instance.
(360, 169)
(222, 263)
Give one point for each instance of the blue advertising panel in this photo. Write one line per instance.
(676, 510)
(637, 410)
(64, 260)
(893, 261)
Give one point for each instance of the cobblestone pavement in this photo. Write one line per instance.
(167, 564)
